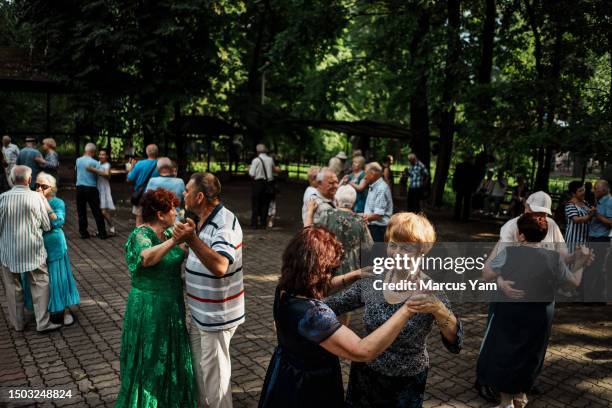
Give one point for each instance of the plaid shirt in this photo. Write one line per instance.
(418, 172)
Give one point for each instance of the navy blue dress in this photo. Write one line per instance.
(301, 372)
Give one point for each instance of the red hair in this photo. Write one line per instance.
(309, 261)
(157, 200)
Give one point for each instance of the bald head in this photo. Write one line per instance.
(90, 149)
(152, 151)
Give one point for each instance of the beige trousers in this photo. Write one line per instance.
(39, 287)
(212, 366)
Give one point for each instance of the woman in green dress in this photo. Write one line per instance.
(156, 367)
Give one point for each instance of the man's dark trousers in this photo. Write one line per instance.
(89, 195)
(414, 199)
(260, 201)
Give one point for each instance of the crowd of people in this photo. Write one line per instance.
(187, 245)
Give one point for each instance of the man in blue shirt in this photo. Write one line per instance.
(27, 157)
(166, 179)
(87, 192)
(416, 185)
(379, 203)
(594, 279)
(140, 175)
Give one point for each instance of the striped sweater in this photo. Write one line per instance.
(217, 302)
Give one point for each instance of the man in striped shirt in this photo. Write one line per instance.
(214, 285)
(24, 215)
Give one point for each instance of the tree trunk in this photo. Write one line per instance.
(419, 108)
(447, 116)
(181, 160)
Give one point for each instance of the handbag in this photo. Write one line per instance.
(270, 187)
(139, 192)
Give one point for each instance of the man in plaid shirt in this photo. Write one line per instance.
(418, 176)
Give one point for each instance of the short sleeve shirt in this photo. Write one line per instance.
(379, 201)
(604, 207)
(140, 172)
(84, 177)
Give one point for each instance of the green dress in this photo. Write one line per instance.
(156, 366)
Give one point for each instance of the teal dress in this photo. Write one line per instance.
(156, 366)
(63, 291)
(362, 195)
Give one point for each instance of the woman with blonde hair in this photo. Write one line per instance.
(50, 164)
(397, 377)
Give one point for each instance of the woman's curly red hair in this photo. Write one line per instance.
(157, 200)
(309, 261)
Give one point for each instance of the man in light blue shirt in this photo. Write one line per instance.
(166, 179)
(27, 157)
(594, 278)
(379, 203)
(87, 192)
(140, 175)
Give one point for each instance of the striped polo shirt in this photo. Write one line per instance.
(23, 218)
(217, 302)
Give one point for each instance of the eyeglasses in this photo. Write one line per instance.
(43, 187)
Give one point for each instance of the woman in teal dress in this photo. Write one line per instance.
(156, 366)
(63, 291)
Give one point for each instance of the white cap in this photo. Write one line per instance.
(342, 156)
(540, 202)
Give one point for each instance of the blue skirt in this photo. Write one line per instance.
(63, 291)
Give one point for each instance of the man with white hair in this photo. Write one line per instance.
(140, 175)
(28, 157)
(327, 185)
(24, 215)
(11, 153)
(167, 179)
(379, 203)
(87, 192)
(262, 171)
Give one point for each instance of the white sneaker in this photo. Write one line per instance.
(68, 319)
(112, 231)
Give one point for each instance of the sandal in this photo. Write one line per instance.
(520, 402)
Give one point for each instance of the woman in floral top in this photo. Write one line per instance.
(397, 377)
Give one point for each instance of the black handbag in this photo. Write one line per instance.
(139, 192)
(270, 187)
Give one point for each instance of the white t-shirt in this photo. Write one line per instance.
(509, 234)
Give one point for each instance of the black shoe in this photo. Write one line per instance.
(85, 236)
(486, 393)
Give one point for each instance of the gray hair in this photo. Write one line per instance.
(312, 172)
(6, 137)
(374, 167)
(605, 185)
(164, 163)
(152, 150)
(261, 148)
(21, 174)
(345, 197)
(323, 171)
(411, 156)
(360, 161)
(51, 181)
(90, 148)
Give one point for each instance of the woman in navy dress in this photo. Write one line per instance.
(305, 369)
(516, 339)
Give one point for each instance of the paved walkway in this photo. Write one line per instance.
(84, 358)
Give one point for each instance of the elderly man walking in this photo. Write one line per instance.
(327, 185)
(24, 215)
(214, 284)
(418, 176)
(87, 192)
(379, 203)
(11, 153)
(262, 171)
